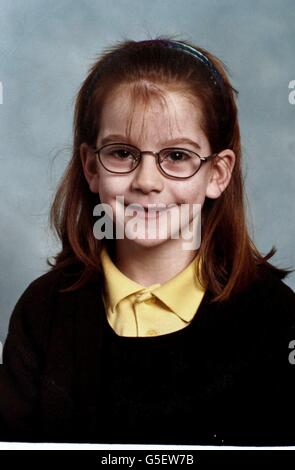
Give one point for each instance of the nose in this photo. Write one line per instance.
(147, 176)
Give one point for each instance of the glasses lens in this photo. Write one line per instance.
(179, 162)
(119, 158)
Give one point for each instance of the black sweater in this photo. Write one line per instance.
(226, 378)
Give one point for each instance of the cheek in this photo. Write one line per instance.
(192, 192)
(111, 187)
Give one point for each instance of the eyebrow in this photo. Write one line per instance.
(121, 138)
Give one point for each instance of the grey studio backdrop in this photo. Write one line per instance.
(46, 48)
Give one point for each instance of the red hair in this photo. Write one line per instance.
(230, 259)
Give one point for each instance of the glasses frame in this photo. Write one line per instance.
(155, 154)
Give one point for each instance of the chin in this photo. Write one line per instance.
(146, 242)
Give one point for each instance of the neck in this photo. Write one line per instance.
(149, 265)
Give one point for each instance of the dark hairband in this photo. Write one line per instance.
(215, 75)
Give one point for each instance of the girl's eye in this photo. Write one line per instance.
(122, 154)
(119, 153)
(176, 156)
(118, 158)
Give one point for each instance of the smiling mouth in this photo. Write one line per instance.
(150, 207)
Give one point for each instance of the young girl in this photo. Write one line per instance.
(137, 339)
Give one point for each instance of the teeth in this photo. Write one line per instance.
(153, 209)
(146, 209)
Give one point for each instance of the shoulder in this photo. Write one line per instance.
(40, 288)
(265, 289)
(39, 304)
(267, 305)
(44, 288)
(37, 295)
(269, 289)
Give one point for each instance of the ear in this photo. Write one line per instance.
(90, 167)
(220, 173)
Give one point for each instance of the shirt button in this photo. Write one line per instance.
(151, 333)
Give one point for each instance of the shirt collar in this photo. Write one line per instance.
(180, 294)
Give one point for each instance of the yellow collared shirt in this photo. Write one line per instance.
(135, 310)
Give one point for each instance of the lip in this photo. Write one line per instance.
(150, 211)
(156, 206)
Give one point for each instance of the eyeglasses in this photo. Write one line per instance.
(172, 162)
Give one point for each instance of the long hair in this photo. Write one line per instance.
(230, 259)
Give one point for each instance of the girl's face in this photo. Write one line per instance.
(178, 124)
